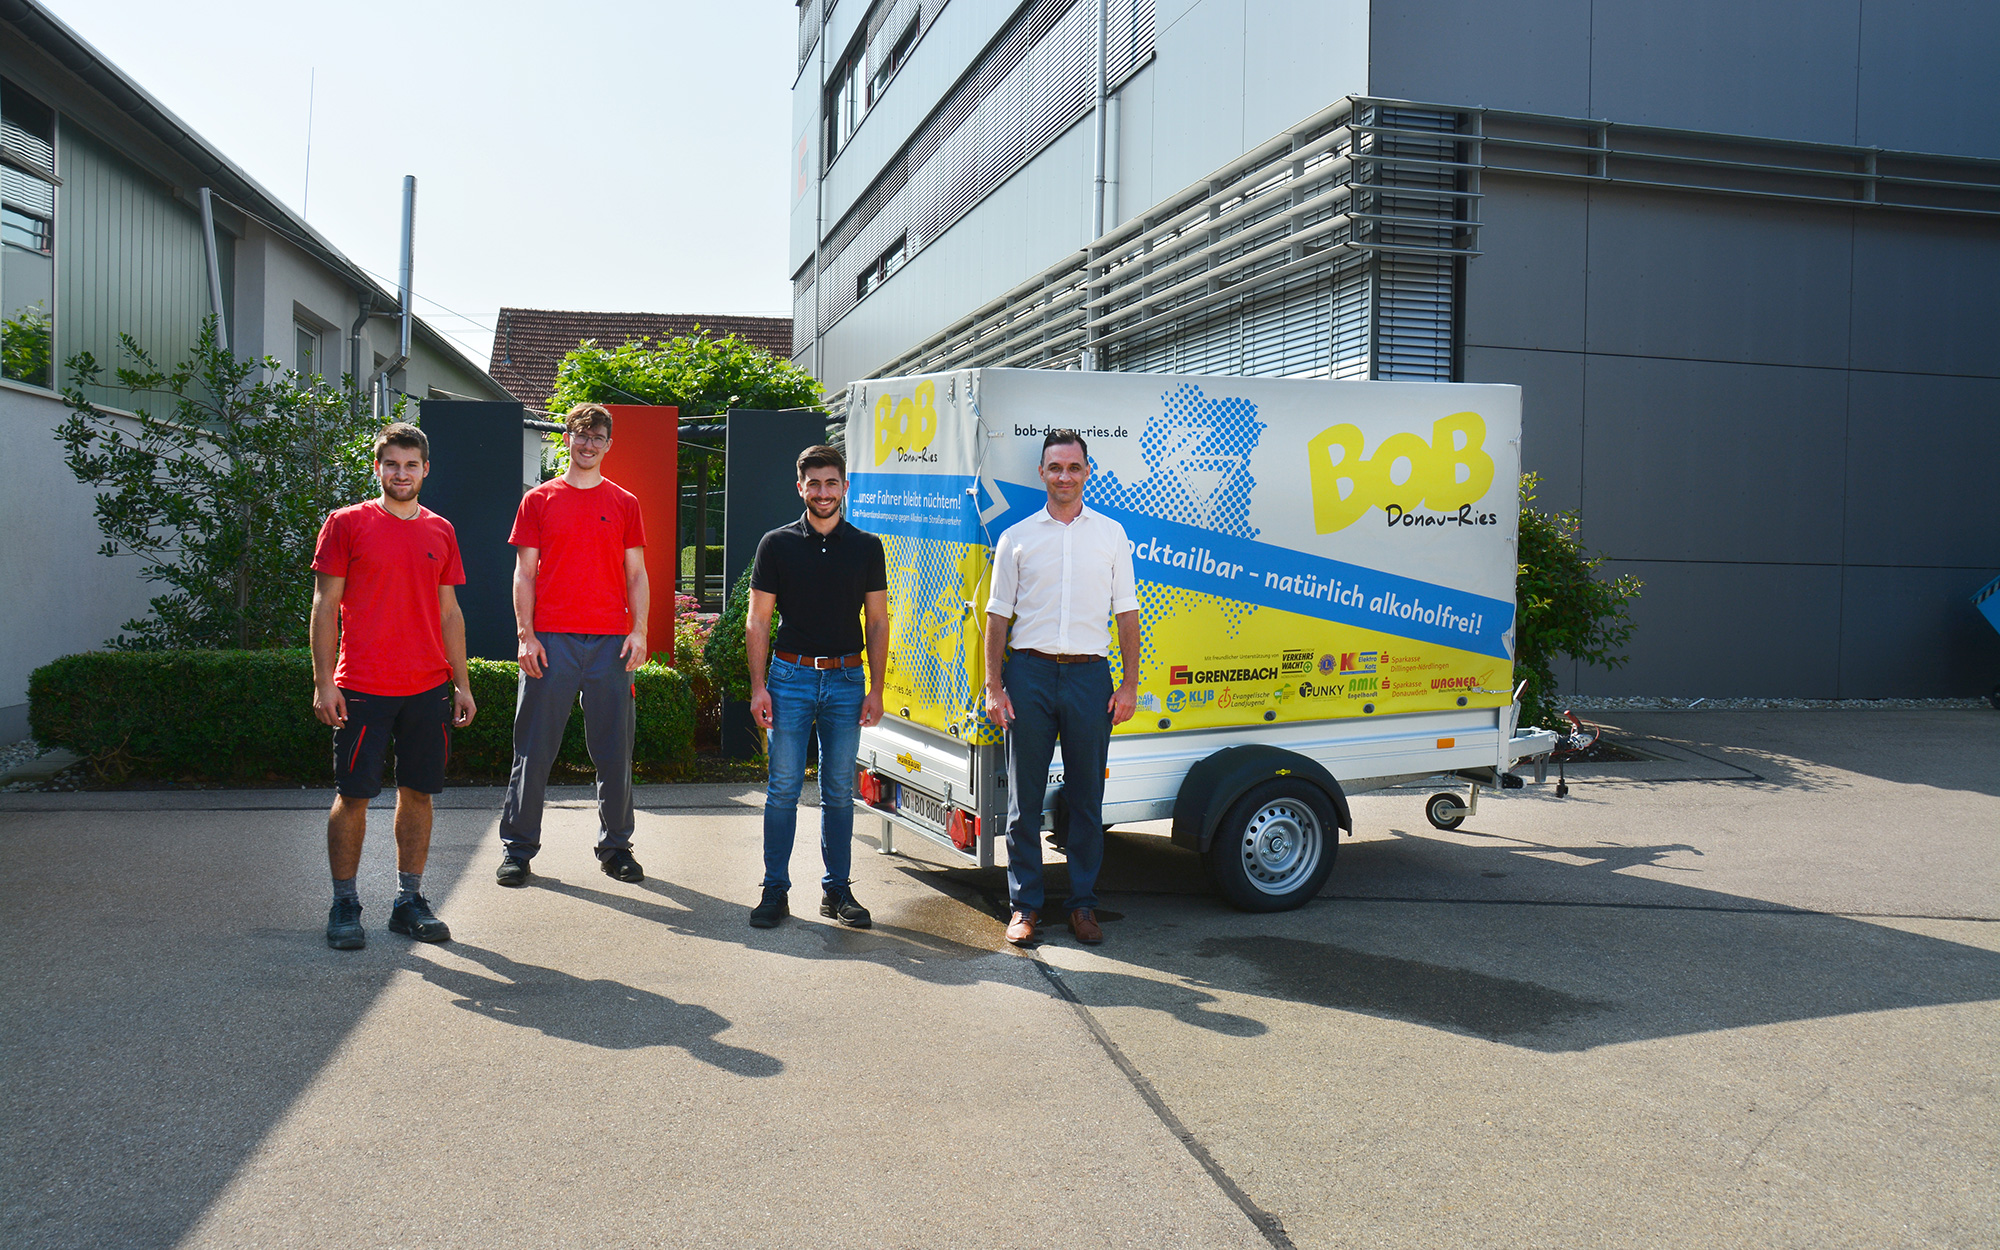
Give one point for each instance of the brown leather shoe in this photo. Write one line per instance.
(1021, 929)
(1083, 923)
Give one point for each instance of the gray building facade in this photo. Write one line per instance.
(1741, 259)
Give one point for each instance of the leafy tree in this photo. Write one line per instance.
(1563, 608)
(698, 373)
(222, 496)
(725, 654)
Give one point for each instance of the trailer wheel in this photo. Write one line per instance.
(1444, 810)
(1274, 849)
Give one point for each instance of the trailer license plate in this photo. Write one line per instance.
(925, 808)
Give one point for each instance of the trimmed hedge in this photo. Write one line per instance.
(246, 716)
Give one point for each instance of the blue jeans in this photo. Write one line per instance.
(805, 701)
(1070, 703)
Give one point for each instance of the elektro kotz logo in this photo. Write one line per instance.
(906, 426)
(1357, 662)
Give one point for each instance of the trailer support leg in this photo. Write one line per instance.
(1472, 803)
(887, 844)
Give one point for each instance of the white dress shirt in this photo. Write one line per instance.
(1063, 583)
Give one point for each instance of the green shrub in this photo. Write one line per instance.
(1563, 608)
(714, 558)
(728, 662)
(246, 716)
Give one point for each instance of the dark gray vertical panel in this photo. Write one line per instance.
(761, 493)
(475, 483)
(1913, 633)
(1728, 630)
(1693, 460)
(1922, 454)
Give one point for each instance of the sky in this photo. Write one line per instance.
(591, 155)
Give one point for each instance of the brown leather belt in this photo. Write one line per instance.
(1063, 659)
(821, 661)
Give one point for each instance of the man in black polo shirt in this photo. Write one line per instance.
(820, 573)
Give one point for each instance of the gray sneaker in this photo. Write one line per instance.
(343, 927)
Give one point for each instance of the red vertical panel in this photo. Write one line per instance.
(644, 459)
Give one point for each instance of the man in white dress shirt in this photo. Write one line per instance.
(1058, 578)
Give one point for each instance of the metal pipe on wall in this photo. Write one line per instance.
(379, 382)
(1087, 359)
(213, 251)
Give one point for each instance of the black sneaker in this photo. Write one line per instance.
(343, 927)
(620, 865)
(771, 909)
(416, 919)
(513, 872)
(838, 904)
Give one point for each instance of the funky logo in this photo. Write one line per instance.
(1444, 474)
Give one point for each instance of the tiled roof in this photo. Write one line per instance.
(529, 343)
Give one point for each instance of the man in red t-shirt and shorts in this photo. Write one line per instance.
(383, 604)
(580, 603)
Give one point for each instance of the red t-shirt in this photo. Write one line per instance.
(391, 631)
(582, 536)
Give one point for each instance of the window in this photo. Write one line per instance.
(885, 265)
(844, 104)
(308, 349)
(887, 63)
(27, 235)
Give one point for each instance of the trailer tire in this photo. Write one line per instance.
(1274, 848)
(1444, 811)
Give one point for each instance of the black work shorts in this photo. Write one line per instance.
(420, 724)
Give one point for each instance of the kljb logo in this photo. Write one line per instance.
(906, 425)
(1444, 474)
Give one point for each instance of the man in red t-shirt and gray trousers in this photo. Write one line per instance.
(383, 600)
(580, 602)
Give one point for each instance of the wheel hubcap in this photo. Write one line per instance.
(1281, 846)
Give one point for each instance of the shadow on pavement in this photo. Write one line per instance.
(930, 957)
(1809, 750)
(596, 1012)
(1542, 946)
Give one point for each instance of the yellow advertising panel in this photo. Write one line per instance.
(1302, 550)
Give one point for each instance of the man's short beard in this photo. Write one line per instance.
(413, 492)
(823, 509)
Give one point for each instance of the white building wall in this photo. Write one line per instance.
(61, 596)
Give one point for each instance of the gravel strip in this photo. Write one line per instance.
(1649, 703)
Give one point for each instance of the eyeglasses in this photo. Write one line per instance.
(591, 440)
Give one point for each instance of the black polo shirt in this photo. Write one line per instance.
(821, 582)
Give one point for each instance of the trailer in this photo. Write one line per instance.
(1326, 578)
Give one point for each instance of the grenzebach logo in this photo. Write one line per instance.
(1182, 675)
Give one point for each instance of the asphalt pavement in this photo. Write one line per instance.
(1738, 992)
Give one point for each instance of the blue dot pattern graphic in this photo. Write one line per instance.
(1198, 451)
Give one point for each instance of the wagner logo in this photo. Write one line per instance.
(1444, 474)
(1357, 662)
(907, 425)
(1329, 690)
(1295, 662)
(1454, 683)
(1182, 675)
(910, 762)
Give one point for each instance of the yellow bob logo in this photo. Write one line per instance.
(1444, 474)
(907, 424)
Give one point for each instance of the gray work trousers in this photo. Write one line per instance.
(586, 664)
